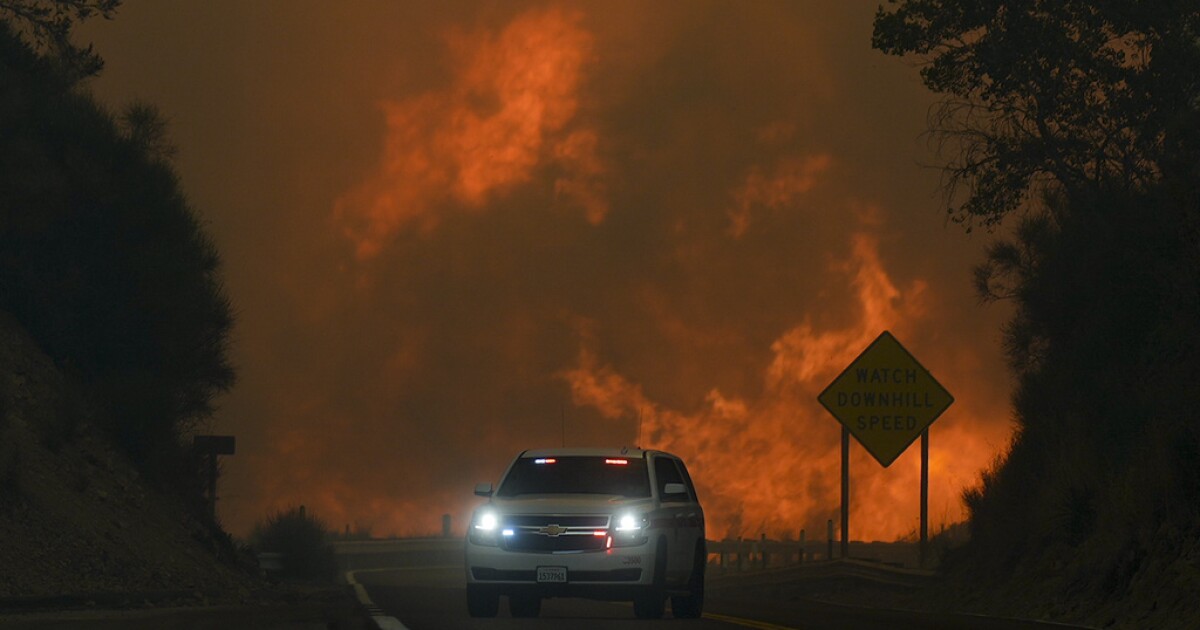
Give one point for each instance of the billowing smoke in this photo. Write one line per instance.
(509, 109)
(773, 464)
(458, 230)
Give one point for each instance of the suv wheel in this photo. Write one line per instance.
(524, 605)
(691, 606)
(482, 602)
(652, 603)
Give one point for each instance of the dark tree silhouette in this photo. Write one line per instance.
(1083, 119)
(47, 24)
(102, 260)
(1087, 95)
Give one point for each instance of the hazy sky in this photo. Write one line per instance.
(453, 231)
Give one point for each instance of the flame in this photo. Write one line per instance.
(792, 177)
(513, 115)
(772, 465)
(511, 105)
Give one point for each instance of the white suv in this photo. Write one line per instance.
(603, 523)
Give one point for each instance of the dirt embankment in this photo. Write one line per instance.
(76, 519)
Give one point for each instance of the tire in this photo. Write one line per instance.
(653, 603)
(524, 605)
(482, 602)
(691, 606)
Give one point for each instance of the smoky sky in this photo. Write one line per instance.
(452, 232)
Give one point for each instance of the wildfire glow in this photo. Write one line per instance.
(791, 177)
(772, 465)
(652, 214)
(509, 108)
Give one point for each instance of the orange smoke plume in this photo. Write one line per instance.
(509, 109)
(792, 177)
(772, 465)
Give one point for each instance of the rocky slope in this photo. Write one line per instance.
(77, 522)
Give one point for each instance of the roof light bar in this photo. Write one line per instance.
(545, 460)
(619, 462)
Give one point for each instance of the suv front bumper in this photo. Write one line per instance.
(618, 573)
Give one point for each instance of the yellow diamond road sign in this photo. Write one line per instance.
(885, 398)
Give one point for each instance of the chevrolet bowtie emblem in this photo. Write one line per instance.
(552, 530)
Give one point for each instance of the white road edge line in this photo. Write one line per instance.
(383, 622)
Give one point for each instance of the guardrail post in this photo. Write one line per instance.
(829, 536)
(741, 553)
(763, 553)
(800, 556)
(445, 526)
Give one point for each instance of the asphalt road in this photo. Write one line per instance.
(429, 594)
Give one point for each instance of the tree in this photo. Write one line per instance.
(1081, 95)
(103, 260)
(1083, 118)
(46, 26)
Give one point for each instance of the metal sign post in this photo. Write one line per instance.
(209, 447)
(924, 493)
(886, 399)
(845, 492)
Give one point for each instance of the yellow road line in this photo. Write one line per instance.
(749, 623)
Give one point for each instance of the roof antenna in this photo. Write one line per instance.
(639, 440)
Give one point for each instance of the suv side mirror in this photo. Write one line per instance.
(485, 489)
(672, 489)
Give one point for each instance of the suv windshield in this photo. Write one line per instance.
(577, 475)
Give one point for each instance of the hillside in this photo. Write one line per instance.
(1072, 132)
(76, 518)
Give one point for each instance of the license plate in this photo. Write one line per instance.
(552, 574)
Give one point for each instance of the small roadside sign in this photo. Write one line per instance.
(885, 398)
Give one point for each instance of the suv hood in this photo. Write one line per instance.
(567, 503)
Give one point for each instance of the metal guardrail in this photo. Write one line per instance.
(270, 563)
(749, 555)
(742, 555)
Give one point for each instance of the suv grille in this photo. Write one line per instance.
(556, 534)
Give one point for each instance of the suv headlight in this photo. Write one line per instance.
(630, 529)
(484, 527)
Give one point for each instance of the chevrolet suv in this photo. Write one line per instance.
(602, 523)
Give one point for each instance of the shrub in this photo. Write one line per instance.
(302, 539)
